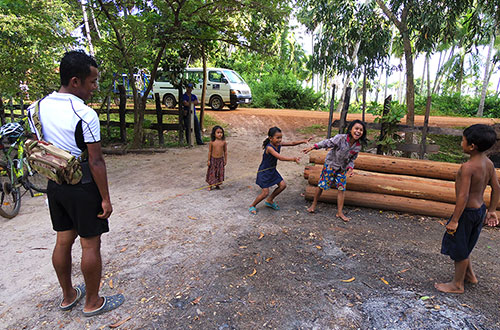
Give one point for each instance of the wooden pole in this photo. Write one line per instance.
(423, 145)
(159, 119)
(122, 110)
(330, 116)
(181, 115)
(364, 94)
(21, 105)
(108, 117)
(383, 126)
(11, 106)
(203, 88)
(345, 109)
(2, 112)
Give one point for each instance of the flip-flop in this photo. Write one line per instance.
(274, 206)
(80, 293)
(252, 210)
(109, 304)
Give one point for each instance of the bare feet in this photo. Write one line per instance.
(218, 187)
(343, 217)
(449, 287)
(311, 209)
(471, 278)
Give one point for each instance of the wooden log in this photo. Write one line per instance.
(398, 165)
(386, 202)
(402, 185)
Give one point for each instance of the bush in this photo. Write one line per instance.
(283, 91)
(456, 105)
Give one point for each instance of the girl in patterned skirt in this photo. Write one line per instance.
(217, 158)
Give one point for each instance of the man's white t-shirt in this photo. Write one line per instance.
(59, 115)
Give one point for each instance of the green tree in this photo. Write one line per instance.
(34, 37)
(351, 35)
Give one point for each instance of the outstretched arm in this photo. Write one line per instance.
(491, 216)
(281, 157)
(294, 143)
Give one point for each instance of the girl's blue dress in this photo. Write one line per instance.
(268, 175)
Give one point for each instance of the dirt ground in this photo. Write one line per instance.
(185, 257)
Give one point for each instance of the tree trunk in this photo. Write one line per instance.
(348, 76)
(203, 87)
(440, 73)
(486, 77)
(460, 74)
(423, 146)
(423, 76)
(364, 95)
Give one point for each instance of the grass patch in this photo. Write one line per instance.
(316, 129)
(171, 138)
(450, 149)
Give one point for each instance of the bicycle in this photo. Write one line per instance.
(15, 171)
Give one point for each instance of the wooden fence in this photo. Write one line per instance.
(6, 111)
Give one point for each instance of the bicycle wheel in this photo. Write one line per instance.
(36, 181)
(10, 196)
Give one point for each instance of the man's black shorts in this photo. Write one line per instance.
(459, 245)
(76, 207)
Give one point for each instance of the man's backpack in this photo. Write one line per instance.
(52, 162)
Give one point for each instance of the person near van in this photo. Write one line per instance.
(82, 209)
(187, 99)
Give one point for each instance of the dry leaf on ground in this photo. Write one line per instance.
(117, 324)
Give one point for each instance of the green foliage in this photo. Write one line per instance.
(390, 120)
(457, 105)
(34, 37)
(450, 149)
(283, 91)
(340, 25)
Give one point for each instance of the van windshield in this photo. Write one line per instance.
(233, 77)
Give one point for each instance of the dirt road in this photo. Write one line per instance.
(185, 257)
(307, 118)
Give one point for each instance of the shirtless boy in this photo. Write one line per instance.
(464, 226)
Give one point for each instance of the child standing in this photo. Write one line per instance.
(464, 226)
(217, 158)
(268, 176)
(339, 162)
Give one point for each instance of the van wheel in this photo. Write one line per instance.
(169, 101)
(216, 103)
(233, 107)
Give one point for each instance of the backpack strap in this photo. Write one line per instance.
(35, 120)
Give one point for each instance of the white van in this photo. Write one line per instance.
(224, 87)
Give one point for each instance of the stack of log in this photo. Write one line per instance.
(391, 183)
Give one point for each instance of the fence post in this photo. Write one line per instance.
(181, 115)
(345, 109)
(21, 105)
(190, 127)
(383, 126)
(2, 112)
(11, 106)
(108, 117)
(330, 116)
(159, 119)
(122, 109)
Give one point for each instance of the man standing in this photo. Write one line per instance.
(82, 209)
(188, 98)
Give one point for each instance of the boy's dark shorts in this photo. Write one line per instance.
(460, 245)
(76, 207)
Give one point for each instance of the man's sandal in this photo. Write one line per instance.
(80, 293)
(274, 206)
(252, 210)
(109, 304)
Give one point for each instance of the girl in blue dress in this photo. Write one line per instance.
(268, 176)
